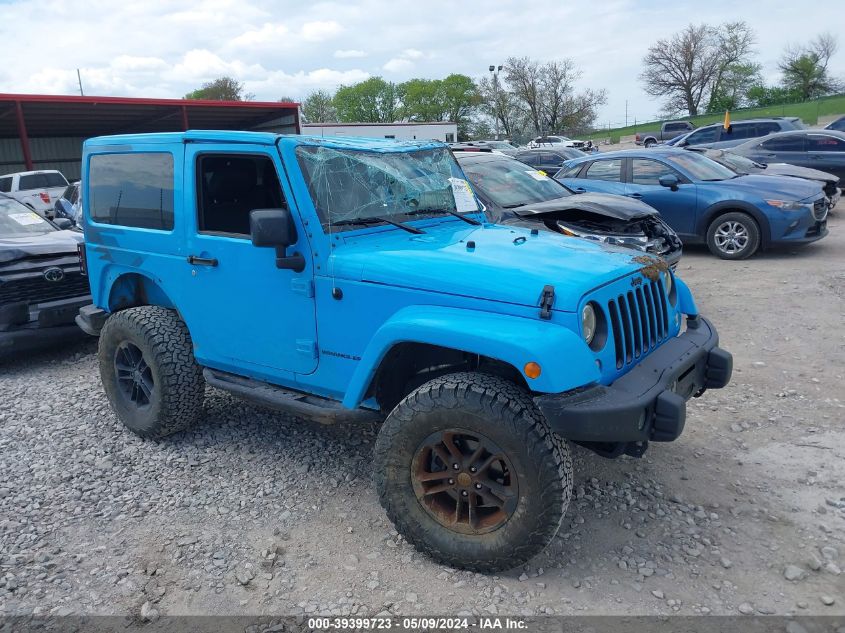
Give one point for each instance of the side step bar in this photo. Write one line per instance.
(305, 405)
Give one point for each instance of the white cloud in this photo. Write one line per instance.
(397, 64)
(320, 30)
(349, 54)
(290, 48)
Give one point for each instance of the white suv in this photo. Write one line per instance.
(38, 190)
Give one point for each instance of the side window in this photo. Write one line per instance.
(791, 143)
(645, 171)
(766, 127)
(450, 137)
(132, 190)
(610, 169)
(550, 158)
(529, 158)
(6, 184)
(824, 143)
(571, 171)
(740, 130)
(229, 186)
(704, 135)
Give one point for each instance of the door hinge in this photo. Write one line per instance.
(547, 300)
(304, 287)
(306, 347)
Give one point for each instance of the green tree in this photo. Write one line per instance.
(735, 84)
(451, 99)
(804, 68)
(221, 89)
(318, 107)
(371, 101)
(760, 96)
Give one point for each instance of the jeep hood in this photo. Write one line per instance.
(773, 187)
(612, 206)
(50, 243)
(506, 264)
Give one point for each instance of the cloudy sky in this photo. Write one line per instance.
(165, 48)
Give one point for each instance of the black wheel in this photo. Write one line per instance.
(148, 371)
(470, 473)
(650, 143)
(733, 235)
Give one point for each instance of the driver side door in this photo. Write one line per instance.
(245, 314)
(678, 208)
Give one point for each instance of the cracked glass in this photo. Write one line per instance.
(351, 185)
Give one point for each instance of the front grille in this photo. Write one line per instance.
(830, 189)
(39, 290)
(820, 209)
(639, 322)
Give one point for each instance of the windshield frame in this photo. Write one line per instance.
(696, 166)
(411, 180)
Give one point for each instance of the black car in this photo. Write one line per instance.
(516, 194)
(742, 165)
(547, 159)
(817, 149)
(41, 286)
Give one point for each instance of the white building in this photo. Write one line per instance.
(441, 131)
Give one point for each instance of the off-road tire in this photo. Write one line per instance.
(748, 224)
(163, 339)
(502, 411)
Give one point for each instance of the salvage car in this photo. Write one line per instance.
(515, 194)
(38, 190)
(548, 159)
(817, 149)
(716, 135)
(41, 286)
(740, 164)
(347, 278)
(704, 201)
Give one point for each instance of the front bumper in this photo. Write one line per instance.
(649, 402)
(24, 327)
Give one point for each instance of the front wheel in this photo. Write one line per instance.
(733, 235)
(470, 473)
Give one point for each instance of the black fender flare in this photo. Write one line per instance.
(726, 206)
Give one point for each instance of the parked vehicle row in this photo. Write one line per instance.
(38, 190)
(704, 201)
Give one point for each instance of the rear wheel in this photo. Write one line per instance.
(469, 472)
(650, 143)
(733, 235)
(148, 371)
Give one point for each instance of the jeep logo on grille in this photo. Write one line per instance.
(636, 281)
(54, 274)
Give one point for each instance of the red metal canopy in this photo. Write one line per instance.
(30, 116)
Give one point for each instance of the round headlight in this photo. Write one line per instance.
(588, 323)
(667, 282)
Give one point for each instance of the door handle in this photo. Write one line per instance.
(193, 260)
(634, 195)
(580, 190)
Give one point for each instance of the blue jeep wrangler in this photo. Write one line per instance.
(344, 279)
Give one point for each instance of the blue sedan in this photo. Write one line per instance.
(704, 201)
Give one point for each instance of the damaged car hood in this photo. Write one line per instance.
(489, 262)
(785, 169)
(613, 206)
(51, 243)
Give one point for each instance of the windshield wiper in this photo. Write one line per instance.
(472, 221)
(377, 220)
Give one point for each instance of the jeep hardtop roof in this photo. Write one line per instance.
(264, 138)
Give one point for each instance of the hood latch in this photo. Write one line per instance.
(547, 300)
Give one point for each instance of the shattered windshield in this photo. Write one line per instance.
(349, 185)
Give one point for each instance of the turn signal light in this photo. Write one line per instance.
(532, 369)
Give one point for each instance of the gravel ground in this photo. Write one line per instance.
(257, 513)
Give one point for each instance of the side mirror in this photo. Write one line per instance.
(669, 180)
(64, 208)
(275, 228)
(63, 223)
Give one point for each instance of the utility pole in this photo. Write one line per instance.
(626, 113)
(495, 70)
(79, 79)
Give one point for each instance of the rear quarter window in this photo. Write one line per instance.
(5, 185)
(132, 190)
